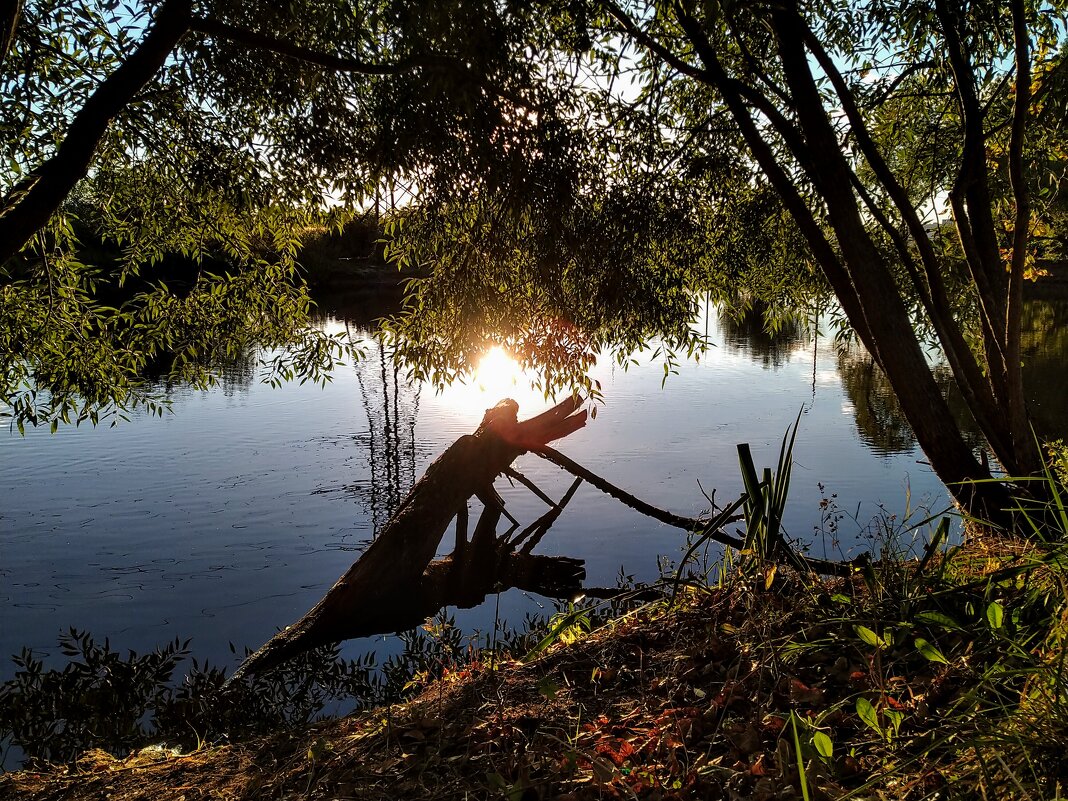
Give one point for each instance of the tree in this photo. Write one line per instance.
(807, 86)
(217, 132)
(582, 162)
(855, 120)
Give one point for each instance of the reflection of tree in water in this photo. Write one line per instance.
(1044, 342)
(233, 373)
(876, 411)
(238, 372)
(746, 328)
(392, 406)
(880, 421)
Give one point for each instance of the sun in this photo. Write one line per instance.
(497, 372)
(497, 376)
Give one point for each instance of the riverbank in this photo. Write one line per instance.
(909, 680)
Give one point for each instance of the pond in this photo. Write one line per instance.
(230, 517)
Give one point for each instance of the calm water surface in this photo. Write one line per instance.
(230, 517)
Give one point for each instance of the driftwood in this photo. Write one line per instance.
(394, 585)
(706, 528)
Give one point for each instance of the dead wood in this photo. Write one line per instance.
(393, 583)
(637, 504)
(395, 586)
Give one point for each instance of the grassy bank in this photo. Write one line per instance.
(933, 678)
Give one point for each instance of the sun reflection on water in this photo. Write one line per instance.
(497, 371)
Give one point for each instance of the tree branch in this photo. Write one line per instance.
(652, 45)
(973, 384)
(210, 26)
(10, 14)
(29, 205)
(1023, 441)
(972, 209)
(670, 518)
(259, 41)
(776, 174)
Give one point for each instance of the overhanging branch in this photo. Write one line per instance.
(250, 38)
(31, 203)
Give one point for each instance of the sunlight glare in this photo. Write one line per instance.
(497, 372)
(498, 376)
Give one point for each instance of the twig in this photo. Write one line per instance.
(611, 593)
(800, 562)
(492, 500)
(540, 526)
(461, 526)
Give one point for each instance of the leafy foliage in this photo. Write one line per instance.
(260, 117)
(103, 699)
(569, 174)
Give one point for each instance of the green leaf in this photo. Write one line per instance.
(931, 653)
(896, 718)
(938, 619)
(869, 636)
(800, 760)
(995, 615)
(548, 688)
(824, 745)
(868, 714)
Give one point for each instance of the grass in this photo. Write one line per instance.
(917, 685)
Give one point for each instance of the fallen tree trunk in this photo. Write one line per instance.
(395, 586)
(387, 588)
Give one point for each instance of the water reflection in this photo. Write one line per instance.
(250, 502)
(877, 414)
(746, 330)
(881, 423)
(391, 403)
(1044, 348)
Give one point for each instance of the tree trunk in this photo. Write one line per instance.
(30, 204)
(10, 14)
(897, 348)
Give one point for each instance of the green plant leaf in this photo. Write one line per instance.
(938, 619)
(800, 760)
(868, 714)
(869, 636)
(931, 653)
(895, 718)
(995, 615)
(548, 688)
(576, 617)
(824, 745)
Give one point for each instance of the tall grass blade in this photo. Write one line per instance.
(711, 527)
